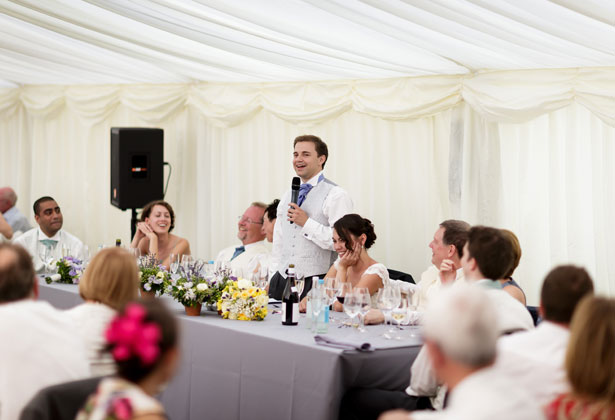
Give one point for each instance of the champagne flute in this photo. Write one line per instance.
(300, 282)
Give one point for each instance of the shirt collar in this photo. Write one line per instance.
(41, 235)
(314, 180)
(254, 244)
(489, 284)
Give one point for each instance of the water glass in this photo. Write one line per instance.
(365, 301)
(352, 306)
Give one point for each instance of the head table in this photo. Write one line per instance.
(265, 370)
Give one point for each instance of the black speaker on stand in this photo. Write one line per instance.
(136, 168)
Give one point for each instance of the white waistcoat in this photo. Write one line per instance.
(309, 258)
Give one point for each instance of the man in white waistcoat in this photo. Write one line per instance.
(307, 241)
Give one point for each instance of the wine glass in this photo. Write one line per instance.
(343, 290)
(413, 316)
(400, 314)
(186, 262)
(365, 301)
(351, 306)
(174, 263)
(331, 286)
(386, 302)
(43, 254)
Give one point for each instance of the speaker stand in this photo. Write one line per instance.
(133, 224)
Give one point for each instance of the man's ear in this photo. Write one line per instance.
(322, 159)
(452, 250)
(35, 290)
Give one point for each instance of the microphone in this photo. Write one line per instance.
(294, 191)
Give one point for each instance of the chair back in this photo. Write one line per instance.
(400, 275)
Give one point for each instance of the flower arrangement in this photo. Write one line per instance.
(70, 270)
(154, 277)
(241, 300)
(197, 284)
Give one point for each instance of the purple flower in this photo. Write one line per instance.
(72, 272)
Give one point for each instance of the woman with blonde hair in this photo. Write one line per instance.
(111, 280)
(590, 364)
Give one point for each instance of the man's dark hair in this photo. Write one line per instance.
(455, 233)
(16, 273)
(562, 290)
(492, 251)
(272, 210)
(319, 145)
(40, 201)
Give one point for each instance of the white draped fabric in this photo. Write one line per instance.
(532, 151)
(183, 41)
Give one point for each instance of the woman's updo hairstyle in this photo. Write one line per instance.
(357, 226)
(139, 337)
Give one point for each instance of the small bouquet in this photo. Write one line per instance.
(197, 284)
(241, 300)
(154, 277)
(70, 270)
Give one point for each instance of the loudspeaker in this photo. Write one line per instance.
(136, 166)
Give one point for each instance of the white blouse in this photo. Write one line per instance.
(91, 320)
(378, 269)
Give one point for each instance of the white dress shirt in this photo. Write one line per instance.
(430, 286)
(40, 347)
(91, 320)
(31, 241)
(534, 360)
(247, 261)
(485, 395)
(337, 204)
(511, 316)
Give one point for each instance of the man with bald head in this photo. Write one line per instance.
(243, 258)
(40, 345)
(11, 214)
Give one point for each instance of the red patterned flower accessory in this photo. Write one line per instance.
(130, 336)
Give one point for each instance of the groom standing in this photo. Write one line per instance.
(307, 241)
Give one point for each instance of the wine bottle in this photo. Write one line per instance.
(118, 242)
(290, 299)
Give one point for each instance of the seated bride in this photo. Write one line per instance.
(353, 235)
(154, 235)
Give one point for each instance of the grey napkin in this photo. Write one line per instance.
(323, 340)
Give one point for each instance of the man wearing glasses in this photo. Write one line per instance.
(249, 232)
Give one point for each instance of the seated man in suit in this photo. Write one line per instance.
(40, 345)
(243, 258)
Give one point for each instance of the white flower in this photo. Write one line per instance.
(262, 300)
(190, 295)
(158, 280)
(244, 283)
(169, 289)
(147, 287)
(188, 285)
(160, 275)
(201, 287)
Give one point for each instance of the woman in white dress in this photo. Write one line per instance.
(353, 235)
(111, 280)
(143, 339)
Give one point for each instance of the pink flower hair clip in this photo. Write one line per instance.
(129, 335)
